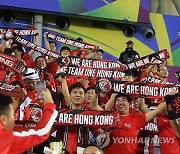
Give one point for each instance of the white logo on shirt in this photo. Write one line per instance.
(127, 125)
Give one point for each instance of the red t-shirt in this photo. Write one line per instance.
(167, 138)
(52, 68)
(123, 139)
(178, 138)
(2, 67)
(32, 95)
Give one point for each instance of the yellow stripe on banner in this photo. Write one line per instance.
(161, 34)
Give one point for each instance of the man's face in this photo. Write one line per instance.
(41, 63)
(65, 53)
(122, 104)
(128, 78)
(52, 46)
(88, 95)
(163, 72)
(15, 99)
(98, 56)
(9, 119)
(130, 46)
(17, 53)
(31, 83)
(91, 150)
(77, 96)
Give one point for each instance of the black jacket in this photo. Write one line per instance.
(128, 56)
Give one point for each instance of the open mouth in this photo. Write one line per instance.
(120, 106)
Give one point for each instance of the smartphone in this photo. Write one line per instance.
(41, 85)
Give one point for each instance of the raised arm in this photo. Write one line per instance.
(94, 103)
(152, 114)
(142, 106)
(41, 132)
(65, 90)
(47, 46)
(110, 102)
(31, 52)
(90, 55)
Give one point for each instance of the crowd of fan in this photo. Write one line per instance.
(79, 93)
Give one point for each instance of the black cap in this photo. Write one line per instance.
(129, 42)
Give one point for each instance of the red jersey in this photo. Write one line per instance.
(123, 139)
(52, 68)
(167, 139)
(11, 141)
(32, 95)
(178, 138)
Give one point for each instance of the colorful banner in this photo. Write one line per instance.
(136, 89)
(36, 47)
(12, 63)
(10, 90)
(79, 118)
(158, 81)
(155, 58)
(72, 42)
(89, 68)
(20, 31)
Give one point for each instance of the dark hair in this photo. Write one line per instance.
(87, 89)
(128, 73)
(14, 83)
(50, 42)
(40, 57)
(4, 104)
(20, 49)
(100, 50)
(17, 43)
(123, 95)
(8, 51)
(65, 48)
(76, 85)
(79, 39)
